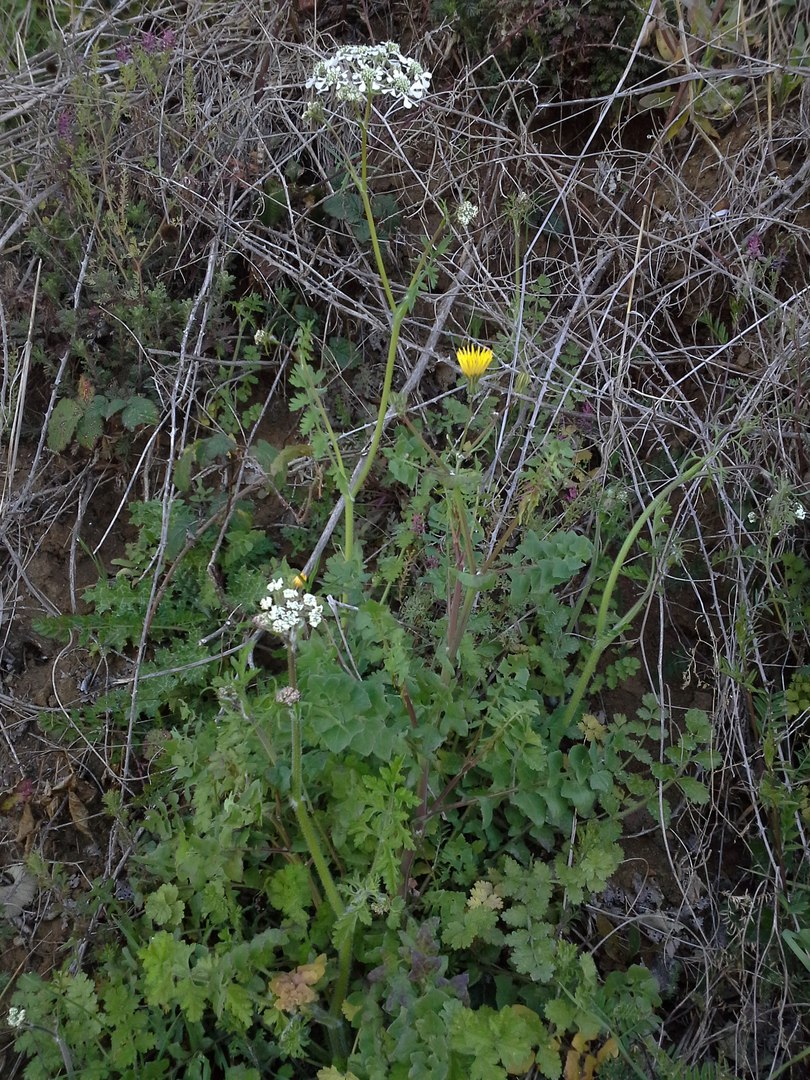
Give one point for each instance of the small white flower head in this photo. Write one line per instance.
(357, 72)
(16, 1017)
(263, 338)
(466, 213)
(752, 516)
(783, 509)
(313, 114)
(288, 695)
(286, 611)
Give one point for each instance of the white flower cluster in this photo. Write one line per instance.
(16, 1017)
(355, 71)
(466, 213)
(796, 510)
(263, 338)
(286, 611)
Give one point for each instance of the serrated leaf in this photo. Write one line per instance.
(139, 411)
(694, 790)
(89, 430)
(214, 446)
(62, 425)
(344, 206)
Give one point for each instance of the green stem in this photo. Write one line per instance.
(305, 824)
(310, 835)
(399, 311)
(363, 186)
(604, 637)
(362, 476)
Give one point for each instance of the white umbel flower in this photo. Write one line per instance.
(16, 1017)
(466, 213)
(356, 72)
(287, 611)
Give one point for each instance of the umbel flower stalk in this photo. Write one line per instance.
(356, 75)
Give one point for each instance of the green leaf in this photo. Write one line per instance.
(344, 205)
(799, 944)
(219, 445)
(62, 425)
(89, 430)
(183, 467)
(139, 411)
(290, 892)
(482, 582)
(694, 790)
(164, 907)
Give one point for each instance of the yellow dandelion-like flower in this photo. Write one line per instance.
(474, 361)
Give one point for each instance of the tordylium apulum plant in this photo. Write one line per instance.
(354, 78)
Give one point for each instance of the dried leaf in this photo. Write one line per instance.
(26, 824)
(18, 888)
(78, 811)
(669, 49)
(293, 989)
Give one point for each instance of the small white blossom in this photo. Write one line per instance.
(285, 611)
(16, 1017)
(752, 516)
(799, 512)
(358, 71)
(466, 213)
(313, 113)
(263, 337)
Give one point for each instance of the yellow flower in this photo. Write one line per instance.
(474, 361)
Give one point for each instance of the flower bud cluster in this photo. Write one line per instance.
(357, 71)
(466, 213)
(287, 611)
(16, 1017)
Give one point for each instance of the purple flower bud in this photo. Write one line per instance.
(123, 53)
(168, 40)
(754, 245)
(149, 42)
(64, 123)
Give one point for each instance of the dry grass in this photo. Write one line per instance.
(639, 239)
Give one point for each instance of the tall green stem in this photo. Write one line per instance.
(399, 311)
(362, 476)
(364, 196)
(604, 637)
(310, 835)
